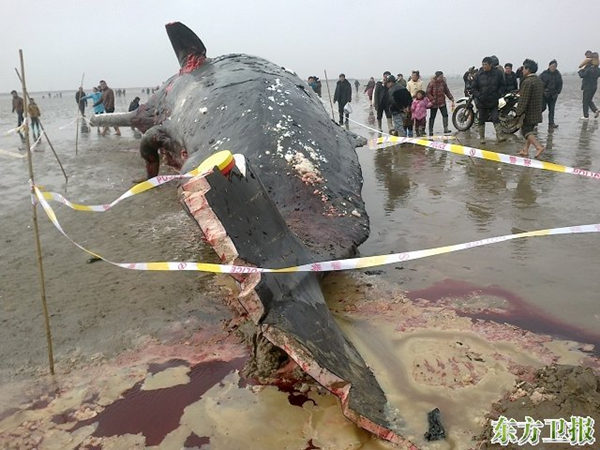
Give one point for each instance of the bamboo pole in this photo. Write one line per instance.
(38, 245)
(329, 93)
(46, 136)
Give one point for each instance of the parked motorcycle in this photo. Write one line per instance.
(465, 112)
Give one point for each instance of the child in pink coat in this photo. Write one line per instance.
(419, 111)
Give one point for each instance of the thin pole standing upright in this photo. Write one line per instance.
(38, 246)
(47, 138)
(329, 93)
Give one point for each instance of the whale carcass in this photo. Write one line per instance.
(296, 199)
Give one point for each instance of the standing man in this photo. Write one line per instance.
(529, 109)
(589, 83)
(34, 115)
(79, 99)
(552, 86)
(380, 100)
(488, 87)
(510, 78)
(399, 100)
(437, 91)
(108, 100)
(356, 85)
(17, 106)
(343, 95)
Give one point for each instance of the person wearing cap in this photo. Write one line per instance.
(380, 101)
(553, 84)
(437, 91)
(510, 78)
(342, 95)
(487, 88)
(399, 100)
(529, 108)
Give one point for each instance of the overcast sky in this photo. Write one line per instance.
(125, 43)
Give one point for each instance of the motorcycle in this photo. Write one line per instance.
(465, 112)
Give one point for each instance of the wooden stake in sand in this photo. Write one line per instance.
(46, 136)
(35, 224)
(329, 93)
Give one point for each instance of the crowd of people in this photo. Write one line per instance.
(405, 103)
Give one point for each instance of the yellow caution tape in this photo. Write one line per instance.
(388, 140)
(324, 266)
(223, 160)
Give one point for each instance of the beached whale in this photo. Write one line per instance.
(296, 199)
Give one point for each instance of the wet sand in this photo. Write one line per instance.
(112, 327)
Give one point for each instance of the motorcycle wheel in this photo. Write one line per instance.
(463, 117)
(509, 121)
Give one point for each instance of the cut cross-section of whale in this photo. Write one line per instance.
(245, 227)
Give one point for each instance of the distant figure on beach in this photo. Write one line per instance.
(589, 73)
(17, 106)
(418, 109)
(96, 98)
(342, 95)
(400, 80)
(380, 102)
(80, 100)
(510, 78)
(553, 84)
(369, 90)
(529, 108)
(356, 85)
(415, 84)
(34, 114)
(437, 91)
(487, 88)
(108, 100)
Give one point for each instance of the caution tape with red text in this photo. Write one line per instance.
(386, 141)
(324, 266)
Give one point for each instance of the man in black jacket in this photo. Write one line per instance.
(399, 100)
(380, 101)
(552, 86)
(488, 87)
(343, 95)
(510, 78)
(589, 83)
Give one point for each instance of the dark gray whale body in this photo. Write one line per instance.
(297, 201)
